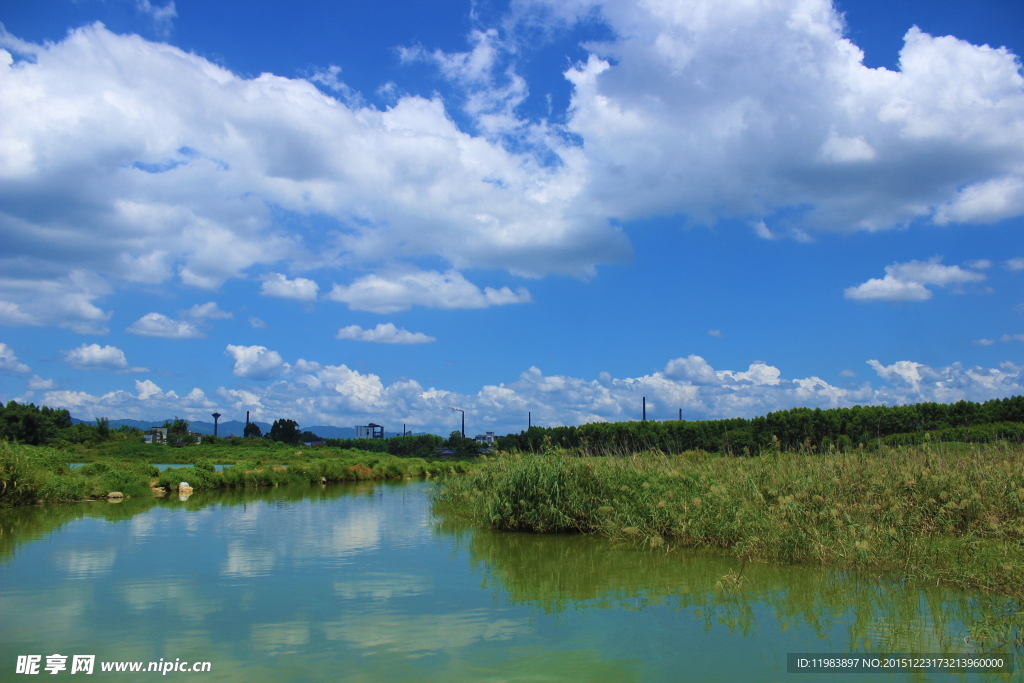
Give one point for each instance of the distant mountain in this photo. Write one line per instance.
(235, 427)
(325, 432)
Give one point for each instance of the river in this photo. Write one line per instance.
(361, 582)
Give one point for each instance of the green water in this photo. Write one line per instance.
(360, 582)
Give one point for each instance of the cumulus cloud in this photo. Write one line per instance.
(255, 362)
(208, 311)
(301, 289)
(906, 281)
(710, 109)
(714, 108)
(37, 383)
(392, 293)
(64, 301)
(176, 170)
(384, 333)
(314, 393)
(159, 325)
(96, 357)
(9, 362)
(189, 325)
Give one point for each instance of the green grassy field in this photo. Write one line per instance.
(34, 474)
(947, 513)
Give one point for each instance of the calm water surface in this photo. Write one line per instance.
(360, 582)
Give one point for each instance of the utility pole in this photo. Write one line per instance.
(645, 409)
(680, 414)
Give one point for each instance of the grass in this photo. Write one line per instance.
(943, 514)
(36, 474)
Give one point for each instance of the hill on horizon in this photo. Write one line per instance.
(234, 427)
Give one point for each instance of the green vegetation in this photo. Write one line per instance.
(286, 431)
(797, 429)
(941, 514)
(31, 474)
(332, 467)
(25, 423)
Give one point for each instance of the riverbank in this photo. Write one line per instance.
(38, 474)
(942, 514)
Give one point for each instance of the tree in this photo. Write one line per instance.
(28, 424)
(252, 431)
(285, 430)
(177, 432)
(462, 446)
(178, 428)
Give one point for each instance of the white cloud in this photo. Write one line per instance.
(302, 289)
(255, 362)
(714, 108)
(716, 333)
(983, 342)
(847, 373)
(906, 281)
(257, 323)
(65, 302)
(1012, 337)
(157, 164)
(339, 395)
(176, 169)
(762, 231)
(159, 325)
(391, 293)
(984, 202)
(9, 362)
(384, 333)
(96, 357)
(1015, 264)
(163, 17)
(844, 150)
(208, 311)
(37, 383)
(147, 389)
(693, 369)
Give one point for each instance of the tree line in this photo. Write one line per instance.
(793, 429)
(25, 423)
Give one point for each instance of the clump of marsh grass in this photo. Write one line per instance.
(938, 513)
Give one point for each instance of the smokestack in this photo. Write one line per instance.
(247, 417)
(645, 409)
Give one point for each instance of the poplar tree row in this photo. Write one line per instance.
(794, 429)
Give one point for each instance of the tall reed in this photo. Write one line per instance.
(939, 513)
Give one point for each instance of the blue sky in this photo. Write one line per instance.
(341, 213)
